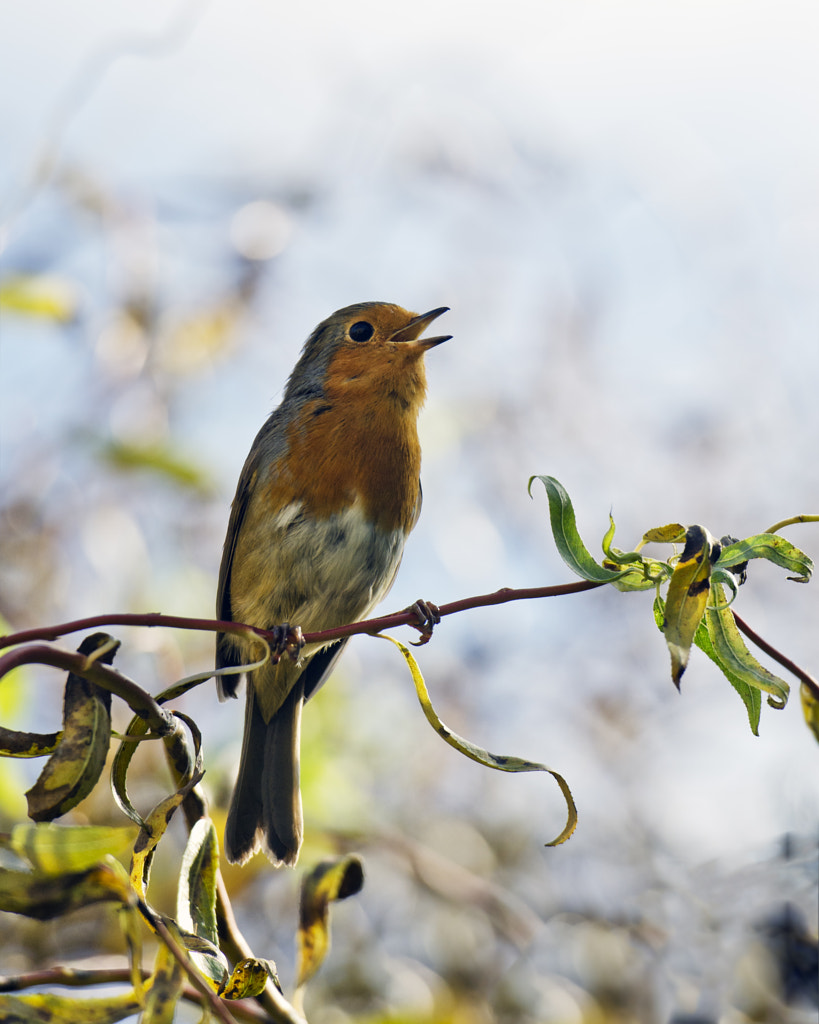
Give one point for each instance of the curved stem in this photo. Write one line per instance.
(141, 702)
(772, 652)
(805, 518)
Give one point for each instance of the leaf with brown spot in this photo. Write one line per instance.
(153, 829)
(501, 762)
(249, 978)
(164, 987)
(334, 879)
(687, 596)
(43, 897)
(196, 900)
(74, 768)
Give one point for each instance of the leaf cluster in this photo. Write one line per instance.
(694, 609)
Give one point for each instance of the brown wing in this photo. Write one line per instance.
(227, 656)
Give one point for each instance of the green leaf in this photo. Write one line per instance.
(564, 529)
(687, 597)
(175, 746)
(750, 696)
(331, 880)
(74, 768)
(160, 460)
(731, 651)
(56, 849)
(137, 729)
(645, 575)
(196, 898)
(196, 901)
(772, 547)
(500, 762)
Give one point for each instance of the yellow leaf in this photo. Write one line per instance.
(39, 295)
(810, 708)
(673, 533)
(687, 597)
(74, 768)
(334, 879)
(14, 743)
(55, 849)
(249, 978)
(164, 987)
(734, 655)
(501, 762)
(153, 829)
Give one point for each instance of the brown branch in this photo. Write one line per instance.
(27, 636)
(211, 1000)
(783, 660)
(407, 617)
(109, 678)
(118, 684)
(68, 977)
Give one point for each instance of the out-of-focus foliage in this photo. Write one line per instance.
(635, 313)
(48, 297)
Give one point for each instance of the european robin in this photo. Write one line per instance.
(325, 502)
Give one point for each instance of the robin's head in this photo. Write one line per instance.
(374, 347)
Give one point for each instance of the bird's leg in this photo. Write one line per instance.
(427, 616)
(285, 639)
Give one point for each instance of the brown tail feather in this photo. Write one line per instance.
(265, 809)
(281, 798)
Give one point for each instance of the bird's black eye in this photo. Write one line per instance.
(362, 331)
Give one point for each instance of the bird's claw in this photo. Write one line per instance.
(286, 639)
(428, 617)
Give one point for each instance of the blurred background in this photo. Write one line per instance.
(620, 204)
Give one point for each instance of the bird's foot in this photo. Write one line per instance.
(285, 640)
(427, 618)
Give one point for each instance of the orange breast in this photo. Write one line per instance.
(359, 440)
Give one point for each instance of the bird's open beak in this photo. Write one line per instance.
(409, 334)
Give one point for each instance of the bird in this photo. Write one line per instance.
(326, 499)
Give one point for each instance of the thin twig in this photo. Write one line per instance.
(783, 660)
(791, 520)
(27, 636)
(407, 617)
(211, 999)
(69, 977)
(141, 702)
